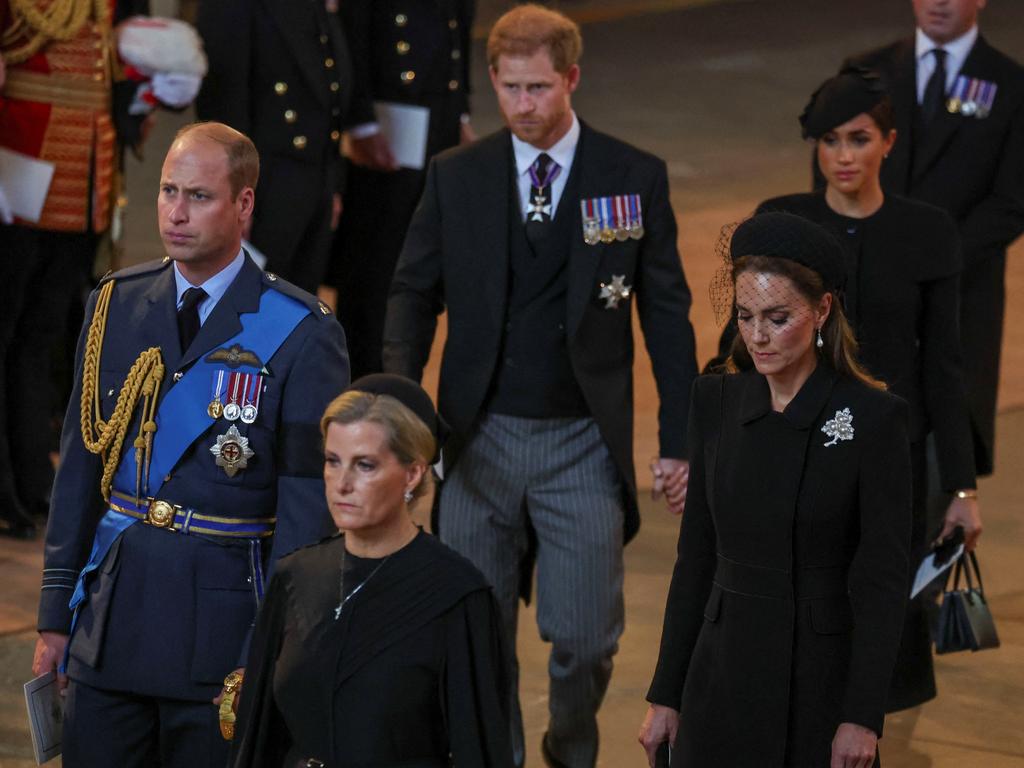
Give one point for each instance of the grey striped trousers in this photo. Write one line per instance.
(558, 476)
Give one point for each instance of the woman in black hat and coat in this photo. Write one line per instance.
(902, 298)
(787, 598)
(380, 645)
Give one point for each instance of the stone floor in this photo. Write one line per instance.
(714, 87)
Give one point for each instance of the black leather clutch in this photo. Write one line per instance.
(965, 621)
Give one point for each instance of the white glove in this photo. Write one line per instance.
(176, 89)
(6, 214)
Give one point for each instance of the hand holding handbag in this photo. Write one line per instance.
(965, 621)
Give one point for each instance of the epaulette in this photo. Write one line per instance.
(293, 291)
(146, 268)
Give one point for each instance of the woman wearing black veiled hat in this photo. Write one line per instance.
(902, 299)
(786, 604)
(379, 646)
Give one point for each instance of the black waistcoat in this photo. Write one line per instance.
(534, 377)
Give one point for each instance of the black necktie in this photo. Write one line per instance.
(935, 90)
(539, 210)
(188, 316)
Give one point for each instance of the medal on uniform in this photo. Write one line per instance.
(591, 222)
(607, 230)
(635, 225)
(251, 403)
(971, 97)
(215, 409)
(615, 291)
(232, 409)
(541, 205)
(621, 222)
(232, 451)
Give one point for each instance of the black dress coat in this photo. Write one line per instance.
(280, 71)
(456, 258)
(787, 597)
(391, 39)
(974, 169)
(412, 673)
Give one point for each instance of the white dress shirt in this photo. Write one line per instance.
(215, 287)
(562, 153)
(956, 54)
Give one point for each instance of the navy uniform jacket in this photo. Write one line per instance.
(167, 613)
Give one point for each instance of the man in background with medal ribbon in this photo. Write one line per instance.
(959, 108)
(190, 462)
(536, 239)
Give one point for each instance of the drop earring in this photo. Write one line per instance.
(407, 496)
(820, 342)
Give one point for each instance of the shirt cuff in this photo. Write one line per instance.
(364, 130)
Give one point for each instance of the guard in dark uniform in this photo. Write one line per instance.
(959, 106)
(280, 72)
(189, 463)
(412, 52)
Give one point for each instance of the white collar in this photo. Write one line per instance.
(562, 152)
(957, 49)
(215, 286)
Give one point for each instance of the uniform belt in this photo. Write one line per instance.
(802, 584)
(173, 517)
(57, 90)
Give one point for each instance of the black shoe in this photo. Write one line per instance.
(549, 759)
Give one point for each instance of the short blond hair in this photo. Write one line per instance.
(408, 438)
(530, 27)
(243, 159)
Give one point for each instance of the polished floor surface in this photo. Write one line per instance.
(714, 87)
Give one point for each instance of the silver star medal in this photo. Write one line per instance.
(615, 291)
(232, 451)
(840, 427)
(539, 208)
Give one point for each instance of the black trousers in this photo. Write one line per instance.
(122, 730)
(378, 208)
(43, 278)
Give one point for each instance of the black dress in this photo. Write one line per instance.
(784, 614)
(410, 674)
(902, 298)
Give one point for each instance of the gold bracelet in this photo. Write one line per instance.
(968, 494)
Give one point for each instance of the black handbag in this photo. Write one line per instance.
(965, 622)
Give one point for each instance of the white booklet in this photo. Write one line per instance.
(25, 181)
(405, 127)
(929, 569)
(45, 716)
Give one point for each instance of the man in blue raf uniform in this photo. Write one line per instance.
(189, 463)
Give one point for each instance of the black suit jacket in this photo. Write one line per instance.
(787, 598)
(974, 169)
(456, 257)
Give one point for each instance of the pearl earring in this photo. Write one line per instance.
(820, 342)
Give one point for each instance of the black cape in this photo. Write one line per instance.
(413, 673)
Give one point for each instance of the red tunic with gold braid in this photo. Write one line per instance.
(55, 106)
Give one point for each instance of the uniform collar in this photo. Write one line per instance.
(562, 152)
(215, 286)
(802, 410)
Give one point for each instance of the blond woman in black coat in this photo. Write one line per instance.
(787, 599)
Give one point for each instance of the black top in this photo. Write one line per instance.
(786, 604)
(411, 672)
(902, 299)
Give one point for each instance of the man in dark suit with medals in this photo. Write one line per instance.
(410, 54)
(280, 72)
(189, 464)
(536, 239)
(959, 106)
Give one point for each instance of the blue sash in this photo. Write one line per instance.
(181, 421)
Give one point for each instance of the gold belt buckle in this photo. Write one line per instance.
(160, 514)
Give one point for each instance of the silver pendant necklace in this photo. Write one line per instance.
(341, 584)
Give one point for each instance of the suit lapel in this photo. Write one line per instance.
(945, 126)
(160, 319)
(242, 296)
(583, 259)
(303, 46)
(488, 209)
(904, 97)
